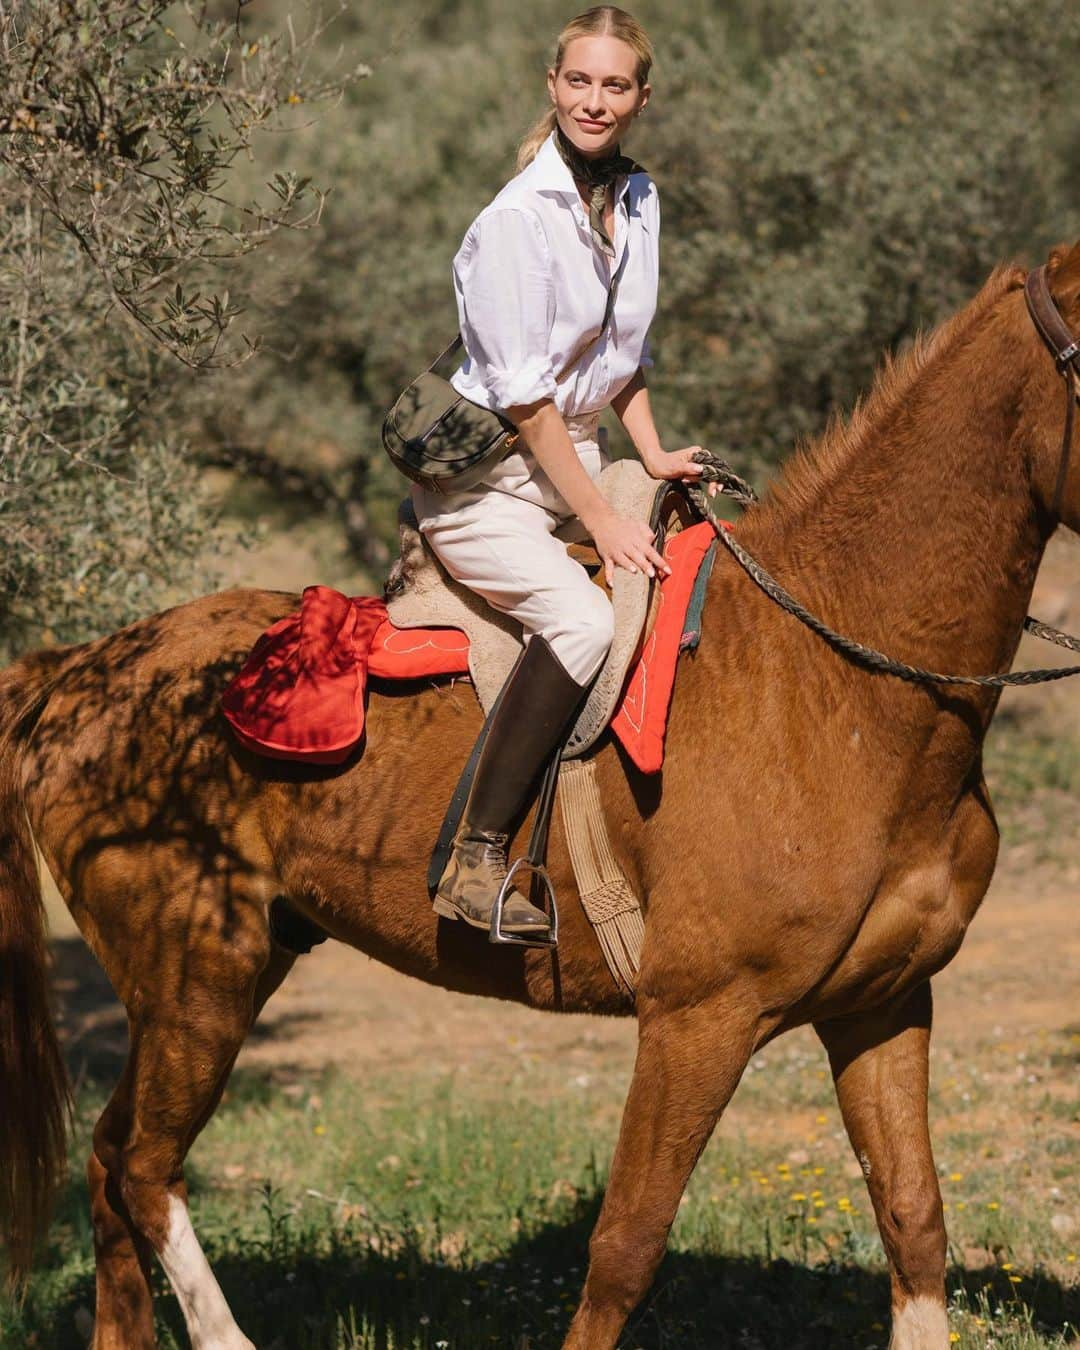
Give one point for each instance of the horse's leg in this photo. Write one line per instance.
(124, 1317)
(880, 1062)
(124, 1314)
(191, 998)
(688, 1064)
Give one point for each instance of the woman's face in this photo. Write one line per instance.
(596, 93)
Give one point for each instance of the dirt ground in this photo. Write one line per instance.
(1018, 969)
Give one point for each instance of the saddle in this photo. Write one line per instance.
(420, 593)
(300, 694)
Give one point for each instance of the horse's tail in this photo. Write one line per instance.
(34, 1086)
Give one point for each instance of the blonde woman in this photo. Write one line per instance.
(538, 268)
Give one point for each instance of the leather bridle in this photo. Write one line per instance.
(1064, 346)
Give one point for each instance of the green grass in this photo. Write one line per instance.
(1034, 779)
(454, 1211)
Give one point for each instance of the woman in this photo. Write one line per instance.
(532, 279)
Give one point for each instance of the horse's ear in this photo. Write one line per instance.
(1063, 271)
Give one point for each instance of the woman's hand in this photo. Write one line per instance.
(676, 464)
(673, 464)
(626, 543)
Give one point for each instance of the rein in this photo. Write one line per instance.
(1065, 348)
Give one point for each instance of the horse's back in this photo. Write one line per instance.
(134, 716)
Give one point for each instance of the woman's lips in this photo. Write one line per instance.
(585, 122)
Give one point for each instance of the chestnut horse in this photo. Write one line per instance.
(813, 851)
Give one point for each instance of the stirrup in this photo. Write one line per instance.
(496, 933)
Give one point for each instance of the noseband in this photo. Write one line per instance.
(1064, 347)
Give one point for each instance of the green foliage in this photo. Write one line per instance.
(862, 186)
(832, 177)
(120, 121)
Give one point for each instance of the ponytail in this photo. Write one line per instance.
(535, 137)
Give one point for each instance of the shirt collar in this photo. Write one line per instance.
(551, 173)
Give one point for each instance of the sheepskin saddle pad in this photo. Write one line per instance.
(420, 593)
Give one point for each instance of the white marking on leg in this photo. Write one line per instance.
(210, 1324)
(920, 1324)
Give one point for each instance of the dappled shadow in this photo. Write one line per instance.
(90, 1019)
(288, 1286)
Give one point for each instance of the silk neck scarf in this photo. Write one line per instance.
(596, 174)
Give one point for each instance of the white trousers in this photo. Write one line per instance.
(498, 539)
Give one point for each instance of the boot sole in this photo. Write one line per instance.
(446, 910)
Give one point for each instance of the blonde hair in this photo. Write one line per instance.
(601, 20)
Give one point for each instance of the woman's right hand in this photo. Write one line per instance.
(626, 543)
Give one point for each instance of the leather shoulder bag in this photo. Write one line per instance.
(444, 441)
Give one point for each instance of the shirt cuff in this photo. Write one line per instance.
(527, 383)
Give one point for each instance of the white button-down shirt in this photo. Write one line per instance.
(531, 288)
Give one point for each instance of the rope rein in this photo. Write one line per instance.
(716, 470)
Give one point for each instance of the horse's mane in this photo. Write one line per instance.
(816, 464)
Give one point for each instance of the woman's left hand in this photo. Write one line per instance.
(677, 464)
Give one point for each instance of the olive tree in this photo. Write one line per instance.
(126, 129)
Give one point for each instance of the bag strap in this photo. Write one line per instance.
(458, 341)
(609, 310)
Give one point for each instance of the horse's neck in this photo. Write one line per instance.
(921, 536)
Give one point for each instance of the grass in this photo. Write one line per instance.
(453, 1210)
(1033, 773)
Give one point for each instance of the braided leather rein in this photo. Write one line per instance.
(1066, 351)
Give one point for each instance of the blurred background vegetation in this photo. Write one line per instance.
(832, 177)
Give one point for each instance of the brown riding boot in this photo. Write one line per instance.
(532, 718)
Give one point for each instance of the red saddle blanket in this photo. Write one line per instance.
(300, 694)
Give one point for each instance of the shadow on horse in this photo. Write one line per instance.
(813, 851)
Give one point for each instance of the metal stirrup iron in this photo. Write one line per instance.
(533, 862)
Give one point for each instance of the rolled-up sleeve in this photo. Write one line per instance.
(506, 305)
